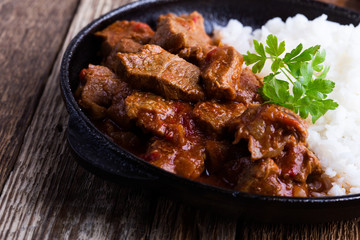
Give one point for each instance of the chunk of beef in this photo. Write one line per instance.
(196, 55)
(186, 160)
(214, 117)
(318, 184)
(221, 71)
(298, 162)
(156, 70)
(98, 85)
(124, 35)
(132, 142)
(247, 87)
(219, 153)
(117, 111)
(184, 35)
(261, 177)
(171, 120)
(266, 176)
(268, 128)
(124, 45)
(216, 154)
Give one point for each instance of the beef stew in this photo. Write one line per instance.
(186, 105)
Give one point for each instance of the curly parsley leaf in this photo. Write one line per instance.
(305, 90)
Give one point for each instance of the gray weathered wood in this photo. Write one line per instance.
(336, 230)
(173, 220)
(31, 35)
(47, 196)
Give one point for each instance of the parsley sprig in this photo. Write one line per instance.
(305, 90)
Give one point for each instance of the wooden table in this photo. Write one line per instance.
(44, 193)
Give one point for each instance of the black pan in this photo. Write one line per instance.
(101, 156)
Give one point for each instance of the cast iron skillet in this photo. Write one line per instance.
(101, 156)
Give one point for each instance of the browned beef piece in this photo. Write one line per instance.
(247, 87)
(124, 45)
(117, 111)
(221, 71)
(171, 120)
(268, 128)
(184, 35)
(195, 55)
(297, 162)
(157, 70)
(177, 147)
(214, 116)
(261, 177)
(186, 160)
(216, 154)
(219, 153)
(266, 176)
(128, 140)
(318, 184)
(284, 176)
(98, 85)
(124, 36)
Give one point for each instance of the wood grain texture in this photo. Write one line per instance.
(48, 196)
(31, 35)
(336, 230)
(173, 220)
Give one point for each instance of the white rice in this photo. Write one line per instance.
(335, 137)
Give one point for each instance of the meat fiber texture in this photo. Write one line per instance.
(335, 137)
(166, 74)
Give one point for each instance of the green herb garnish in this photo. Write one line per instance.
(305, 72)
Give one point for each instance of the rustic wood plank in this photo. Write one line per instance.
(336, 230)
(47, 195)
(174, 220)
(97, 209)
(31, 35)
